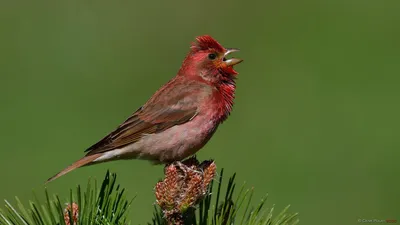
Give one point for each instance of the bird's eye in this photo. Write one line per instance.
(212, 56)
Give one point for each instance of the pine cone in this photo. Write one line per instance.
(74, 213)
(184, 185)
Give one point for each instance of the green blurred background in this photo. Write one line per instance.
(315, 124)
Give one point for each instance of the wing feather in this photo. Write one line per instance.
(167, 108)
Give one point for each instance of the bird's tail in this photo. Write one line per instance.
(87, 160)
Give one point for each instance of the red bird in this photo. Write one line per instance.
(180, 117)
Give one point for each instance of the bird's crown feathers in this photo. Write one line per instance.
(206, 42)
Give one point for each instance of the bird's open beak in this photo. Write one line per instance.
(232, 61)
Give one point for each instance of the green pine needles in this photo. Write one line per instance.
(104, 205)
(227, 209)
(108, 205)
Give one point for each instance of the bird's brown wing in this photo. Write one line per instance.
(167, 108)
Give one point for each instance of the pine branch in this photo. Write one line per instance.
(186, 196)
(171, 192)
(107, 205)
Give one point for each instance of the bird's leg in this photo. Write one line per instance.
(186, 168)
(181, 166)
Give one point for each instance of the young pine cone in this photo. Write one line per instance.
(74, 213)
(184, 185)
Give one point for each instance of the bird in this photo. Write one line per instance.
(180, 118)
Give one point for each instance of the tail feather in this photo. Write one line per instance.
(82, 162)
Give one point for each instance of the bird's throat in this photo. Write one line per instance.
(227, 96)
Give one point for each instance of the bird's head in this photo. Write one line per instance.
(208, 60)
